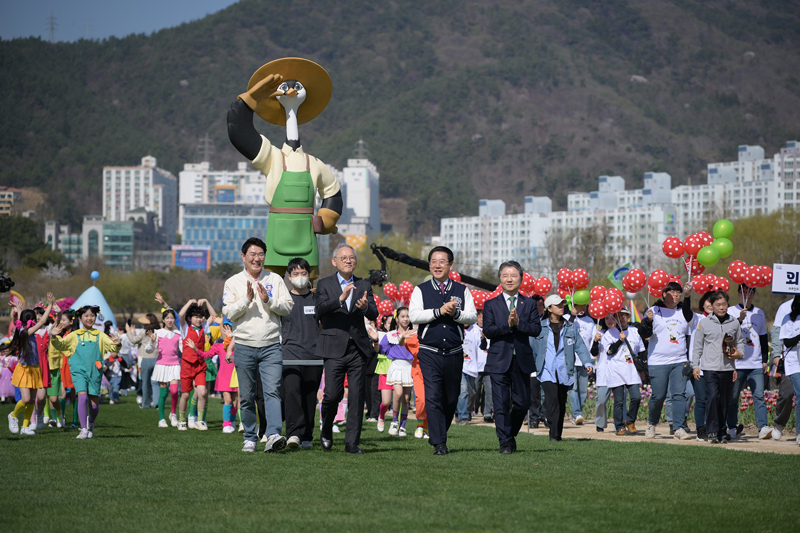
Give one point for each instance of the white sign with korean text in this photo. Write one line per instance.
(785, 279)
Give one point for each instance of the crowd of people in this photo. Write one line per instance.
(281, 349)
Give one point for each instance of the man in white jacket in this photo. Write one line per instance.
(254, 300)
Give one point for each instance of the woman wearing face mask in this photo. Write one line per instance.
(299, 332)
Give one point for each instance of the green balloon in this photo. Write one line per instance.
(723, 246)
(581, 297)
(708, 256)
(723, 229)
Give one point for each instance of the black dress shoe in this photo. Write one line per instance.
(535, 425)
(352, 448)
(440, 449)
(506, 450)
(488, 419)
(326, 444)
(513, 445)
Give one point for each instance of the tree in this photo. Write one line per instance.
(586, 248)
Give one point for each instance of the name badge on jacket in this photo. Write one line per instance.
(308, 309)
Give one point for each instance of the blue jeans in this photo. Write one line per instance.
(753, 378)
(149, 387)
(663, 378)
(266, 362)
(622, 415)
(577, 394)
(689, 396)
(601, 409)
(113, 392)
(469, 391)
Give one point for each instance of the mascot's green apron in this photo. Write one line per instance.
(290, 232)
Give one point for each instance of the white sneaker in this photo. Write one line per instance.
(111, 402)
(264, 439)
(46, 421)
(192, 422)
(275, 443)
(306, 445)
(777, 432)
(336, 429)
(241, 427)
(293, 442)
(393, 428)
(681, 434)
(765, 433)
(798, 440)
(84, 434)
(163, 423)
(59, 423)
(249, 446)
(173, 419)
(182, 426)
(650, 432)
(418, 432)
(200, 426)
(579, 420)
(13, 424)
(27, 431)
(425, 435)
(401, 432)
(139, 400)
(381, 425)
(228, 429)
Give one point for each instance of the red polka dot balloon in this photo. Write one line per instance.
(703, 283)
(597, 310)
(652, 291)
(634, 280)
(693, 267)
(542, 286)
(614, 299)
(705, 238)
(672, 247)
(597, 293)
(527, 282)
(737, 271)
(580, 279)
(405, 289)
(658, 280)
(564, 278)
(692, 245)
(722, 284)
(767, 273)
(562, 291)
(391, 292)
(386, 308)
(377, 299)
(455, 276)
(752, 277)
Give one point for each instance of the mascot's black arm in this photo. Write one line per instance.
(241, 132)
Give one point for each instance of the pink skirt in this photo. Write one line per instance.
(382, 383)
(224, 375)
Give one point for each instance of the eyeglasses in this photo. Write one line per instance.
(261, 255)
(348, 259)
(439, 262)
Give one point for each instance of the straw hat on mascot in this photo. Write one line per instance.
(288, 92)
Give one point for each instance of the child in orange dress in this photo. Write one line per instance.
(412, 345)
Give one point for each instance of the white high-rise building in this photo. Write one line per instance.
(146, 186)
(360, 182)
(638, 220)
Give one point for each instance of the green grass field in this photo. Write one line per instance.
(134, 476)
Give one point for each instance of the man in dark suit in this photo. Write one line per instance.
(509, 321)
(343, 301)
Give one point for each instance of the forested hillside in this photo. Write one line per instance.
(456, 100)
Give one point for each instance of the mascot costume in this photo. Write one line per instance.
(288, 92)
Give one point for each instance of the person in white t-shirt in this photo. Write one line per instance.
(790, 336)
(667, 324)
(619, 346)
(751, 369)
(469, 372)
(783, 407)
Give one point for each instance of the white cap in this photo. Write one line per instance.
(553, 299)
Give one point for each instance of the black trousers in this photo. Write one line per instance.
(352, 365)
(441, 375)
(536, 412)
(262, 413)
(372, 396)
(784, 408)
(555, 404)
(299, 397)
(718, 394)
(511, 395)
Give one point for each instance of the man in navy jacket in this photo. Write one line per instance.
(509, 321)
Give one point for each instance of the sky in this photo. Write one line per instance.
(99, 19)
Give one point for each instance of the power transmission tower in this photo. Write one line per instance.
(51, 26)
(205, 148)
(361, 151)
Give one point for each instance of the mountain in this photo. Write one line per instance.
(457, 100)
